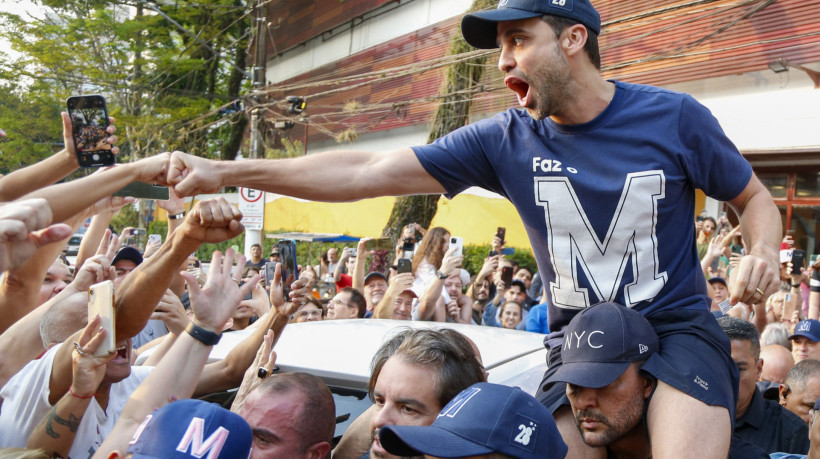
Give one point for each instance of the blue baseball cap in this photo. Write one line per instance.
(192, 429)
(484, 418)
(480, 29)
(809, 328)
(719, 280)
(127, 253)
(601, 342)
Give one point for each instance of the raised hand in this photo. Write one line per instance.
(87, 370)
(171, 312)
(26, 226)
(216, 302)
(213, 220)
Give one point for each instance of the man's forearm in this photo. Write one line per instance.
(142, 289)
(55, 433)
(228, 373)
(366, 175)
(762, 236)
(42, 174)
(67, 199)
(175, 377)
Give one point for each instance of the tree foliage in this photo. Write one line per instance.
(171, 73)
(451, 114)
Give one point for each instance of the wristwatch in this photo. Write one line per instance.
(441, 275)
(202, 335)
(795, 285)
(176, 216)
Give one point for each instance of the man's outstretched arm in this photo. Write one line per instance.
(354, 174)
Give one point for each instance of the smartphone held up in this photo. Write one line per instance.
(89, 124)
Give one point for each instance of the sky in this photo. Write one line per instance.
(16, 6)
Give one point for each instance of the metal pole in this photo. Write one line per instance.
(258, 74)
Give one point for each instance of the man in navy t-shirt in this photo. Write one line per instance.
(603, 174)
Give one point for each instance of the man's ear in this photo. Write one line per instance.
(318, 451)
(573, 39)
(648, 386)
(759, 369)
(784, 394)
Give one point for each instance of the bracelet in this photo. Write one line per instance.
(202, 335)
(795, 286)
(176, 216)
(71, 391)
(814, 283)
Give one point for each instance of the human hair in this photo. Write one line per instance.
(776, 333)
(62, 320)
(520, 284)
(358, 299)
(711, 219)
(559, 23)
(317, 418)
(801, 373)
(430, 248)
(741, 330)
(23, 453)
(309, 300)
(256, 245)
(520, 308)
(473, 290)
(447, 351)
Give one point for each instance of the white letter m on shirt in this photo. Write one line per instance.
(631, 236)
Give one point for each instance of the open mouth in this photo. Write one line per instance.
(122, 351)
(520, 87)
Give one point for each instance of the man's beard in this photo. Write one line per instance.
(548, 84)
(626, 419)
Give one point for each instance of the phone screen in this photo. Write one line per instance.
(89, 120)
(270, 269)
(501, 233)
(287, 251)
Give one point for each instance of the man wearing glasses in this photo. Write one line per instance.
(349, 303)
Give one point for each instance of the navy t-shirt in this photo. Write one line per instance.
(608, 205)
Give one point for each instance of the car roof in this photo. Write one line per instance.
(340, 351)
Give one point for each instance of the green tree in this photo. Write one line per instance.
(171, 72)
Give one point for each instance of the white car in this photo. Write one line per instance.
(339, 352)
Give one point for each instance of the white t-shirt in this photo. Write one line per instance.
(25, 403)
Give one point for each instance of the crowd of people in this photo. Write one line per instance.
(666, 338)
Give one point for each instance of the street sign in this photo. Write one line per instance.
(252, 206)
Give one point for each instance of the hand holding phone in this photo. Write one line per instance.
(101, 303)
(506, 276)
(89, 130)
(459, 245)
(797, 260)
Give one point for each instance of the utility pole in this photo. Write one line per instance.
(254, 236)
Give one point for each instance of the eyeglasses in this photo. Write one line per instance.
(339, 303)
(311, 313)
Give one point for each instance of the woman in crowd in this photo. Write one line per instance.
(311, 311)
(510, 315)
(428, 256)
